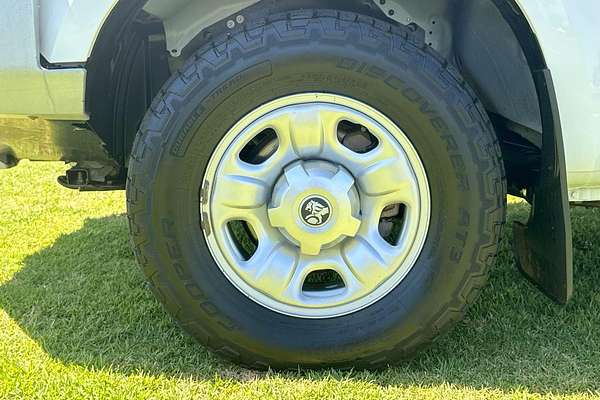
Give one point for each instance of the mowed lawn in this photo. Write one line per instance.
(77, 320)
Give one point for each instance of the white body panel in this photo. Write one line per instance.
(26, 88)
(567, 30)
(569, 34)
(68, 28)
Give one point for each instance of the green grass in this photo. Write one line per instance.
(77, 321)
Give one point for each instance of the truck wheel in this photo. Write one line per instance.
(320, 189)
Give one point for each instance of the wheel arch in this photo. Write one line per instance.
(490, 41)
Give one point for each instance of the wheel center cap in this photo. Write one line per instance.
(315, 211)
(315, 205)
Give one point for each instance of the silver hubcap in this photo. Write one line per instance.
(328, 179)
(315, 205)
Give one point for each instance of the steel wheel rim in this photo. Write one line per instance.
(312, 161)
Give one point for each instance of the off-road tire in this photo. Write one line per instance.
(387, 66)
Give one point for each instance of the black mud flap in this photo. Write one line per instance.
(544, 247)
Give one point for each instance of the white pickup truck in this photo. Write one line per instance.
(316, 183)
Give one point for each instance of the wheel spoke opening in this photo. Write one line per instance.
(391, 223)
(322, 281)
(243, 238)
(356, 137)
(260, 148)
